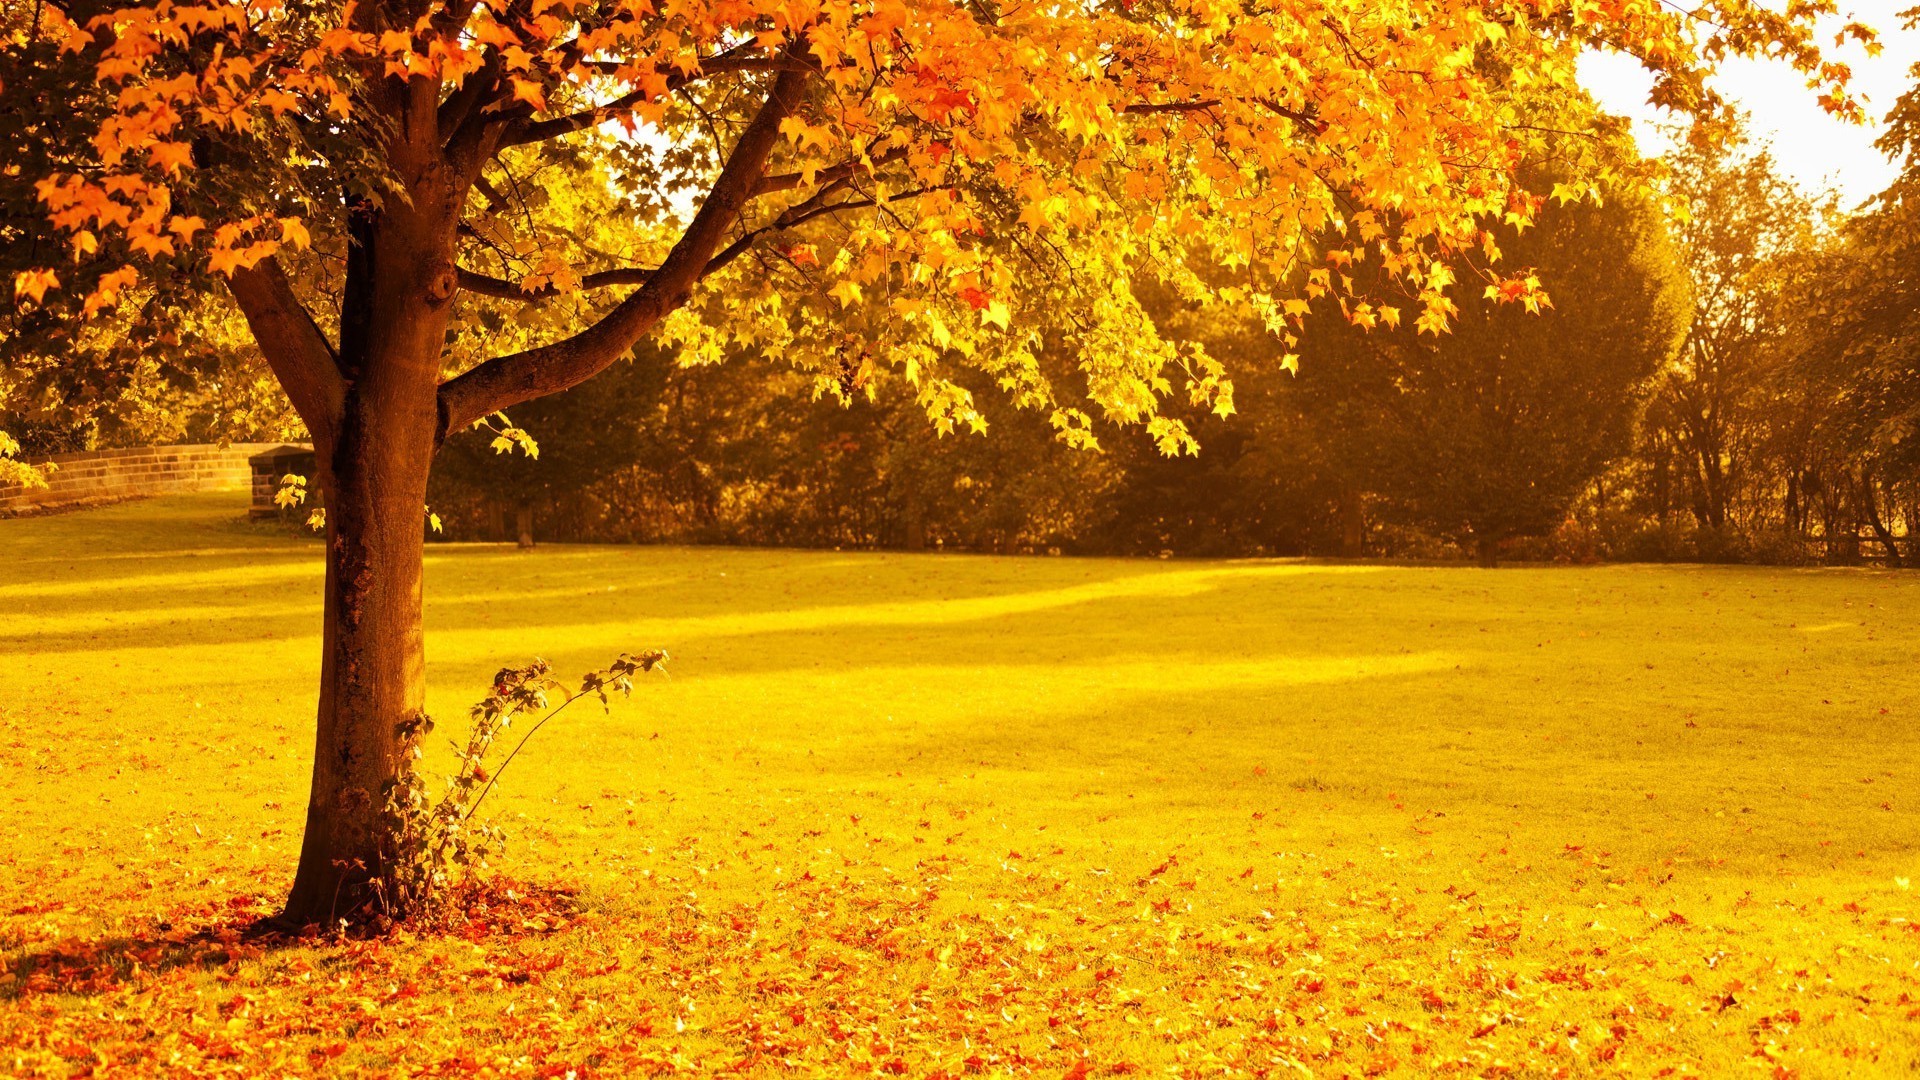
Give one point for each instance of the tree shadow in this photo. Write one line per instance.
(222, 938)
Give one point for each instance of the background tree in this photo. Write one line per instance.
(1272, 480)
(748, 453)
(968, 184)
(517, 493)
(1492, 431)
(1710, 413)
(1853, 368)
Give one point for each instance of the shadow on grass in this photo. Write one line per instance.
(217, 937)
(223, 936)
(212, 608)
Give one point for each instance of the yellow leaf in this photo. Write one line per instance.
(33, 284)
(847, 292)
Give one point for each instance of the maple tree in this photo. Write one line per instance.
(851, 185)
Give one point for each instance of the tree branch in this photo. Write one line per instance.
(1304, 119)
(461, 114)
(543, 130)
(511, 379)
(475, 282)
(294, 347)
(801, 213)
(846, 170)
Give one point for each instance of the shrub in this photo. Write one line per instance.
(436, 841)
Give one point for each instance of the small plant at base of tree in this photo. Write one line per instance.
(437, 842)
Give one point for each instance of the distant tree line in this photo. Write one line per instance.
(1734, 382)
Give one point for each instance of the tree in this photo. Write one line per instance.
(1853, 367)
(967, 184)
(1493, 431)
(1269, 481)
(1713, 403)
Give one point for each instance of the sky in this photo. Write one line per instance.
(1816, 151)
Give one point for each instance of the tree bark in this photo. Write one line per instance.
(373, 465)
(1870, 503)
(916, 520)
(523, 524)
(372, 673)
(1487, 548)
(1353, 524)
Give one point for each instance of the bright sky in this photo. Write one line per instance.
(1816, 151)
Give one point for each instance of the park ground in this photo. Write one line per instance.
(939, 815)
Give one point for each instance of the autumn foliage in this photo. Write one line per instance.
(949, 183)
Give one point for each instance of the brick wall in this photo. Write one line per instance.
(102, 475)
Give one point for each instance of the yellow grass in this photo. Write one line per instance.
(937, 814)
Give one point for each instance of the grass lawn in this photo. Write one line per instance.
(947, 815)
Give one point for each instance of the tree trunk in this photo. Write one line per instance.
(1353, 525)
(377, 410)
(374, 464)
(1870, 503)
(1709, 484)
(1488, 550)
(1714, 482)
(916, 521)
(1663, 483)
(523, 524)
(372, 679)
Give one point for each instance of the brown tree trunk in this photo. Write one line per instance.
(1488, 550)
(377, 410)
(1353, 525)
(523, 524)
(1713, 486)
(374, 466)
(916, 521)
(1870, 503)
(372, 679)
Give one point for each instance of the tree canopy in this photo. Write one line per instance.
(921, 185)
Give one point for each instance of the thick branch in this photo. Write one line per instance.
(295, 348)
(509, 380)
(475, 282)
(846, 170)
(460, 115)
